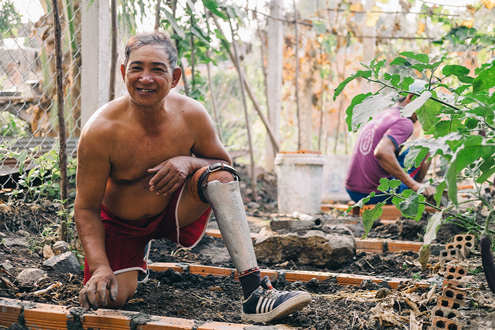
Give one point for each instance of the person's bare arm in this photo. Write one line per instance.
(385, 153)
(207, 150)
(93, 169)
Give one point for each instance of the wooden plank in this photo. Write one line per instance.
(369, 244)
(164, 266)
(397, 246)
(306, 276)
(207, 270)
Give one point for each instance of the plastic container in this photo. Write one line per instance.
(299, 180)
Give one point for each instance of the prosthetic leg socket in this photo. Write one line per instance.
(226, 201)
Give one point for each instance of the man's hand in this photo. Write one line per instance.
(428, 192)
(169, 175)
(103, 279)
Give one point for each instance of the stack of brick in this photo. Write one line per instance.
(445, 315)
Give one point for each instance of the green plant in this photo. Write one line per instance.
(457, 108)
(416, 276)
(42, 179)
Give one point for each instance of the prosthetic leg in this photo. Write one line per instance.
(263, 303)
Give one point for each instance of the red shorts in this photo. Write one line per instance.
(125, 240)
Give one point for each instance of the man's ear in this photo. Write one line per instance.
(176, 76)
(409, 97)
(122, 70)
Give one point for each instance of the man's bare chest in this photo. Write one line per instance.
(133, 157)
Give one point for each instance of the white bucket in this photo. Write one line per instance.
(299, 180)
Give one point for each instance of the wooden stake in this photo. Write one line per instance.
(114, 55)
(210, 83)
(61, 116)
(241, 79)
(296, 51)
(157, 15)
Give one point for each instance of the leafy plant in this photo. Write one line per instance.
(457, 109)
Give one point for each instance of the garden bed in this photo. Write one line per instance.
(218, 298)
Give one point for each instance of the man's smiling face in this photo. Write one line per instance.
(148, 75)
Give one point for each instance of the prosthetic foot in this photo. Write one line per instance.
(263, 303)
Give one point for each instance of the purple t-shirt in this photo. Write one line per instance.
(365, 171)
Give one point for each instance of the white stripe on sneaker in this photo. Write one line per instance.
(260, 301)
(265, 303)
(271, 305)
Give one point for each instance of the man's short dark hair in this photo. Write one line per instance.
(153, 38)
(401, 98)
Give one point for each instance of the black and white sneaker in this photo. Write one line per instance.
(266, 304)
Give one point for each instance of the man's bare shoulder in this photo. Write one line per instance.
(102, 125)
(188, 107)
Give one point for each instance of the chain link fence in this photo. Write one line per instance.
(28, 106)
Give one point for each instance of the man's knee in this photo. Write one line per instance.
(224, 174)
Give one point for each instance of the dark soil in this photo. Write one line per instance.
(204, 298)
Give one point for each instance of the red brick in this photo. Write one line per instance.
(440, 323)
(454, 284)
(450, 302)
(444, 312)
(450, 254)
(454, 273)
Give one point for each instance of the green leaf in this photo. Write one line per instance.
(410, 206)
(198, 33)
(319, 26)
(471, 123)
(370, 107)
(418, 57)
(445, 127)
(456, 70)
(415, 157)
(369, 216)
(439, 192)
(406, 82)
(484, 80)
(398, 61)
(212, 6)
(360, 73)
(487, 168)
(471, 150)
(355, 100)
(393, 184)
(174, 24)
(417, 103)
(383, 185)
(427, 114)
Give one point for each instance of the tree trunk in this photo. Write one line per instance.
(157, 15)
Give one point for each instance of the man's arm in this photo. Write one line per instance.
(93, 169)
(207, 150)
(385, 153)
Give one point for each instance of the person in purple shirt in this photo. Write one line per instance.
(377, 154)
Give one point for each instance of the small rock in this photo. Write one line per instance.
(368, 285)
(48, 252)
(12, 242)
(2, 234)
(60, 247)
(23, 233)
(29, 276)
(253, 205)
(382, 293)
(7, 265)
(64, 263)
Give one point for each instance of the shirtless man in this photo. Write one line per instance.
(151, 166)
